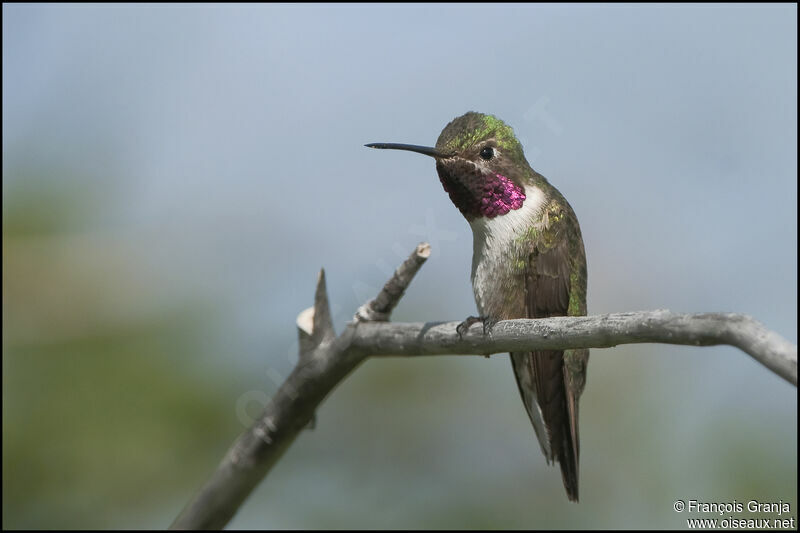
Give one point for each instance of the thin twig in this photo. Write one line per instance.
(379, 309)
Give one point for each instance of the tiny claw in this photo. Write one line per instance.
(488, 324)
(465, 325)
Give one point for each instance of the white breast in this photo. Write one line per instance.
(494, 240)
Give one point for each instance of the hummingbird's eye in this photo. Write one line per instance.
(487, 153)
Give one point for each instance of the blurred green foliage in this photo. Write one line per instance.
(100, 416)
(35, 204)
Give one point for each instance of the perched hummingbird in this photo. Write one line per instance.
(528, 262)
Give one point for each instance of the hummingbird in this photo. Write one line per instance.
(528, 262)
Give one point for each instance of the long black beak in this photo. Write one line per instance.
(425, 150)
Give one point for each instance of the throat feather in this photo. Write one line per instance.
(483, 196)
(500, 195)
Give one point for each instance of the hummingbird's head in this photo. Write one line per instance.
(480, 163)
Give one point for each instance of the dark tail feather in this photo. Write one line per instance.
(559, 409)
(568, 455)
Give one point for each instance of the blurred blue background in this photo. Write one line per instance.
(175, 176)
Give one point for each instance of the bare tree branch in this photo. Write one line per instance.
(598, 331)
(325, 360)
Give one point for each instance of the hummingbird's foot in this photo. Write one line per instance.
(488, 324)
(465, 325)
